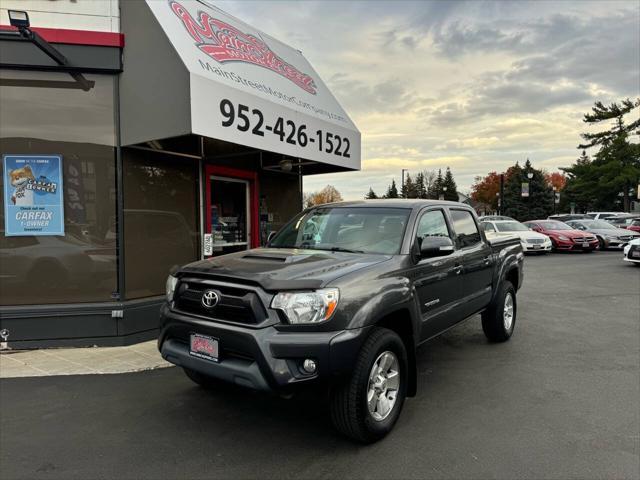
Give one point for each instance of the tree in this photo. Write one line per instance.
(328, 194)
(557, 180)
(615, 169)
(539, 203)
(392, 191)
(430, 177)
(602, 113)
(436, 186)
(409, 188)
(451, 192)
(421, 189)
(371, 195)
(485, 189)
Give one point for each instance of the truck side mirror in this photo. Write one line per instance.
(435, 247)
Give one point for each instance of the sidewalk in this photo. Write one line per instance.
(80, 361)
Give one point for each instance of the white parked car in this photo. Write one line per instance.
(603, 215)
(631, 252)
(531, 241)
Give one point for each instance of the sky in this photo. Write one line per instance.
(470, 85)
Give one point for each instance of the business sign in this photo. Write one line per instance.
(525, 189)
(248, 88)
(33, 195)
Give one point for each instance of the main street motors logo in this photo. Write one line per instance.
(225, 43)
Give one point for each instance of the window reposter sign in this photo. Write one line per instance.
(33, 195)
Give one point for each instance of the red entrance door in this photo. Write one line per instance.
(231, 210)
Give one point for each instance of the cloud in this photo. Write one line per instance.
(476, 85)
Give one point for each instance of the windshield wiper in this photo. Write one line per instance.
(340, 249)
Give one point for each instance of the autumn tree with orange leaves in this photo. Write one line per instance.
(328, 194)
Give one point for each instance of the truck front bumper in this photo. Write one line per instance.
(264, 359)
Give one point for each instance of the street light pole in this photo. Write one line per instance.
(529, 176)
(402, 189)
(501, 204)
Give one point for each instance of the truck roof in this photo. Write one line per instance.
(394, 203)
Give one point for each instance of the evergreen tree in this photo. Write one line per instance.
(392, 191)
(421, 189)
(409, 188)
(617, 163)
(371, 195)
(539, 203)
(449, 183)
(436, 187)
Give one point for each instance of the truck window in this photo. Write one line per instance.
(467, 233)
(433, 224)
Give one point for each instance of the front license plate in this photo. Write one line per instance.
(585, 245)
(537, 247)
(203, 346)
(635, 254)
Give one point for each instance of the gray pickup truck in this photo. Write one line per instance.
(341, 297)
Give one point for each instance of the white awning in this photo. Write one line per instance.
(248, 88)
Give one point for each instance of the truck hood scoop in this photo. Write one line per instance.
(283, 268)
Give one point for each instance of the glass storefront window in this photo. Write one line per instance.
(45, 113)
(160, 218)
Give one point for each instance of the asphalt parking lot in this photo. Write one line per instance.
(560, 400)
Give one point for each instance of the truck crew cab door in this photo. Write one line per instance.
(437, 280)
(477, 271)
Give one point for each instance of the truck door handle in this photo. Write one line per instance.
(487, 260)
(457, 269)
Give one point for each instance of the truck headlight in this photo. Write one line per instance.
(307, 307)
(170, 287)
(563, 238)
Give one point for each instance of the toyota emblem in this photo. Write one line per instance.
(210, 298)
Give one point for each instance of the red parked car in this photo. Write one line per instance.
(564, 237)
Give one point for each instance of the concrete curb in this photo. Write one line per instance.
(81, 361)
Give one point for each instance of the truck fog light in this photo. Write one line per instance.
(309, 365)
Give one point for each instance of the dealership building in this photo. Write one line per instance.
(137, 136)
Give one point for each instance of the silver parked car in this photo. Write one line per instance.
(609, 236)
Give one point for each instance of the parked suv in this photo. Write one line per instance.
(343, 304)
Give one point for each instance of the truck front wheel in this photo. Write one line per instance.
(499, 320)
(366, 406)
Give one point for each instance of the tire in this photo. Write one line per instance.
(350, 411)
(601, 244)
(494, 323)
(201, 379)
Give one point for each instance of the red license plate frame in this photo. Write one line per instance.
(204, 346)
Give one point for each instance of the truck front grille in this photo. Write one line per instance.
(235, 304)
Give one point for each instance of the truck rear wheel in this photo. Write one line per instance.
(367, 405)
(499, 320)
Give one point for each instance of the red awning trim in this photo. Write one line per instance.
(77, 37)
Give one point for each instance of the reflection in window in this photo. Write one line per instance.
(160, 223)
(80, 266)
(467, 233)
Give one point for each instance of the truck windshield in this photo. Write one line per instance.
(350, 229)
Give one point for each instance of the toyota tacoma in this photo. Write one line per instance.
(341, 297)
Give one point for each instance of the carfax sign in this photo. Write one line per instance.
(33, 195)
